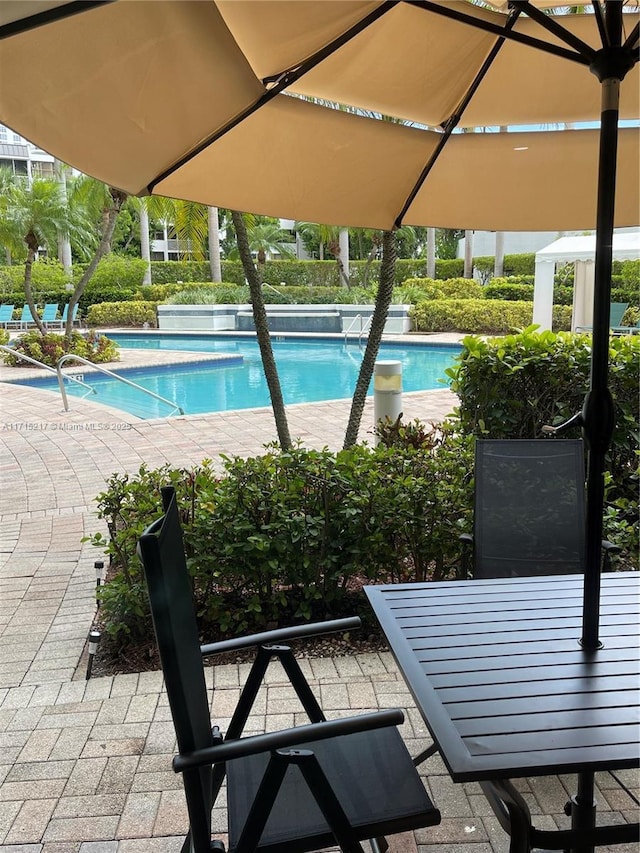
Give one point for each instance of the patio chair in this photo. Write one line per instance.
(65, 312)
(616, 313)
(529, 509)
(290, 791)
(26, 318)
(6, 315)
(50, 315)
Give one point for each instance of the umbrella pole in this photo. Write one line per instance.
(610, 66)
(598, 415)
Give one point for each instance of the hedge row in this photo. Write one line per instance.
(123, 314)
(511, 387)
(486, 316)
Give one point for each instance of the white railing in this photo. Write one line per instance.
(364, 328)
(69, 356)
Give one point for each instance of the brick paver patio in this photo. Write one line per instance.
(85, 766)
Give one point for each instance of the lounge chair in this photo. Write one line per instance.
(616, 313)
(65, 312)
(634, 329)
(6, 315)
(26, 318)
(300, 789)
(50, 315)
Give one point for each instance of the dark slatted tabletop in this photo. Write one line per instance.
(497, 672)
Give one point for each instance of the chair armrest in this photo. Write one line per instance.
(281, 635)
(255, 744)
(610, 548)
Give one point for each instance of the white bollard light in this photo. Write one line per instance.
(387, 391)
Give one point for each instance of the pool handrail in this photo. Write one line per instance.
(364, 327)
(98, 367)
(21, 355)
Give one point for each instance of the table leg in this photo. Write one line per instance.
(583, 809)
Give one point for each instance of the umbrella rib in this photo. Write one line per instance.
(498, 30)
(555, 28)
(632, 41)
(280, 82)
(602, 27)
(41, 19)
(452, 122)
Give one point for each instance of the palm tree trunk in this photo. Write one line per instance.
(64, 244)
(145, 247)
(383, 300)
(262, 332)
(468, 254)
(214, 244)
(431, 252)
(109, 217)
(498, 267)
(32, 247)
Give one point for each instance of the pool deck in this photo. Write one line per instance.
(85, 765)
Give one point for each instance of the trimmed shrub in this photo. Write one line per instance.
(50, 348)
(510, 387)
(524, 264)
(123, 314)
(502, 288)
(488, 316)
(4, 337)
(282, 536)
(450, 288)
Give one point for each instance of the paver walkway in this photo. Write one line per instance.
(85, 766)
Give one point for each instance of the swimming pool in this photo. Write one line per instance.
(310, 370)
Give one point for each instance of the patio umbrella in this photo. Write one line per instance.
(234, 104)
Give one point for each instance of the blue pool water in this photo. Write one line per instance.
(310, 370)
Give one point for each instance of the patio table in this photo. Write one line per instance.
(497, 672)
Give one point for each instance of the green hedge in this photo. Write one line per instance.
(123, 314)
(281, 537)
(500, 288)
(487, 316)
(510, 387)
(208, 293)
(452, 288)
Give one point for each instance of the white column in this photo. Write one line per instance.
(543, 294)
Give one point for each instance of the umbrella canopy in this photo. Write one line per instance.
(352, 112)
(204, 101)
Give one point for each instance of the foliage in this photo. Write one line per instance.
(489, 316)
(631, 316)
(510, 387)
(123, 314)
(4, 337)
(503, 288)
(524, 264)
(630, 274)
(50, 348)
(281, 536)
(48, 279)
(208, 293)
(451, 288)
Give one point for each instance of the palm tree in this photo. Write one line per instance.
(263, 238)
(262, 329)
(37, 215)
(329, 236)
(383, 300)
(98, 200)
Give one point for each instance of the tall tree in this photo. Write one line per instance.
(383, 300)
(106, 202)
(262, 330)
(37, 214)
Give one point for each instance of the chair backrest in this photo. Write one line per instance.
(50, 312)
(170, 592)
(26, 316)
(529, 512)
(616, 313)
(6, 313)
(65, 312)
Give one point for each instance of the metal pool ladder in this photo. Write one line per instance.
(364, 328)
(70, 356)
(89, 388)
